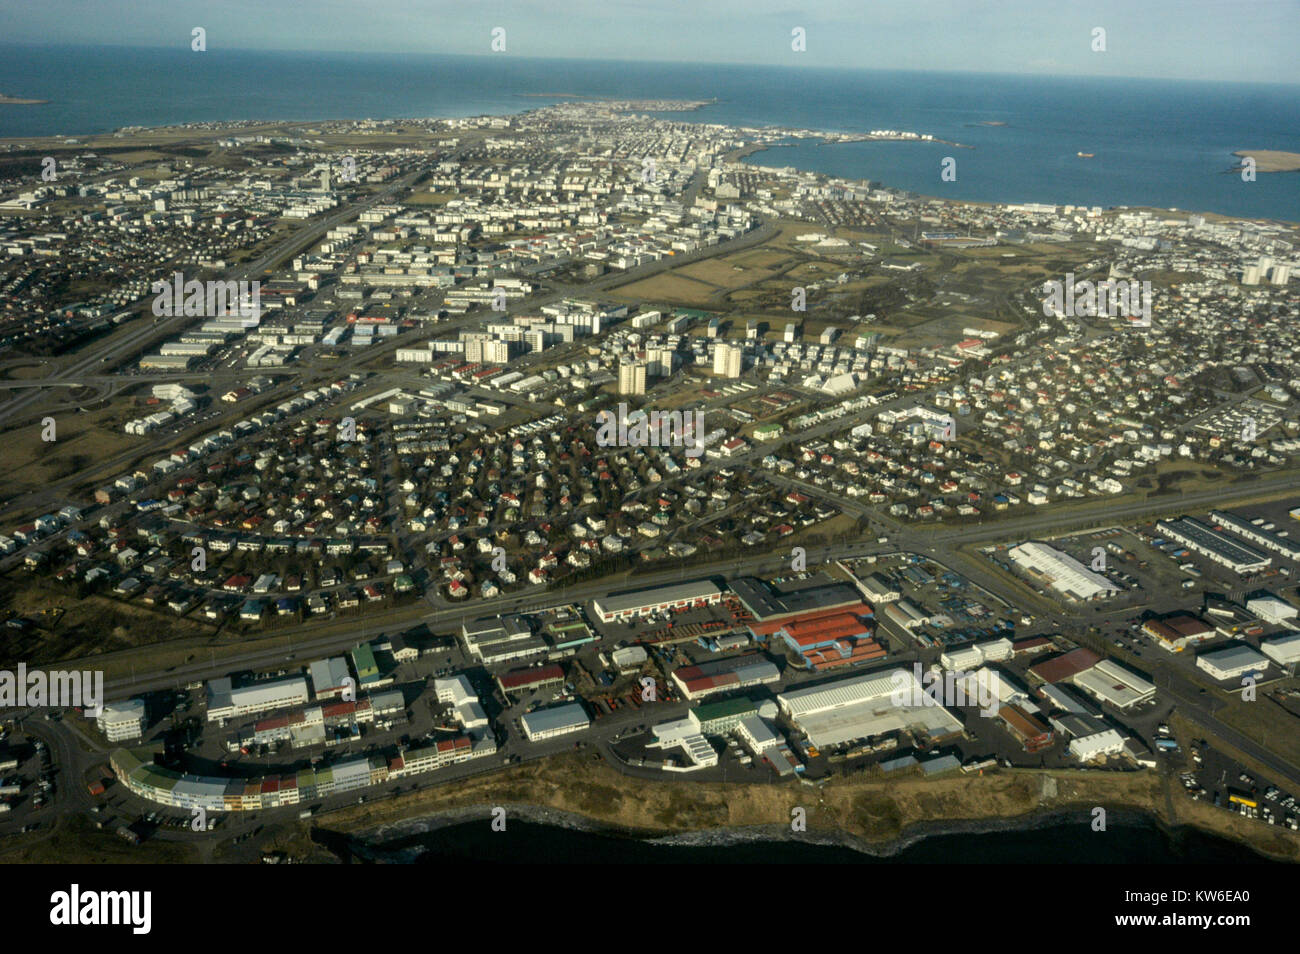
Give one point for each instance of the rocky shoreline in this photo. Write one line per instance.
(368, 844)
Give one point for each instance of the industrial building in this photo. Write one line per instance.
(122, 720)
(1272, 609)
(1110, 682)
(974, 656)
(722, 675)
(1219, 547)
(535, 677)
(1232, 663)
(555, 721)
(1175, 633)
(644, 602)
(1061, 572)
(498, 639)
(1265, 538)
(863, 707)
(776, 605)
(1283, 650)
(1028, 730)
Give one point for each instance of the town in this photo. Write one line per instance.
(340, 448)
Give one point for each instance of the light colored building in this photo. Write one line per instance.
(225, 702)
(1232, 663)
(1061, 572)
(555, 721)
(632, 376)
(123, 720)
(1283, 650)
(644, 602)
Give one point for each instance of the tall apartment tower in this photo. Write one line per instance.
(632, 376)
(728, 359)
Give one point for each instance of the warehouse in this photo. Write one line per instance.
(1232, 663)
(1065, 666)
(680, 596)
(225, 702)
(1061, 572)
(1283, 650)
(722, 675)
(1272, 609)
(1110, 682)
(537, 677)
(1027, 730)
(629, 658)
(1174, 633)
(862, 707)
(1096, 746)
(498, 639)
(776, 605)
(880, 590)
(1265, 538)
(556, 721)
(1219, 547)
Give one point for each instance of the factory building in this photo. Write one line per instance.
(1219, 547)
(777, 605)
(1098, 745)
(498, 639)
(1110, 682)
(1027, 730)
(1265, 538)
(555, 721)
(865, 706)
(644, 602)
(536, 677)
(723, 675)
(1175, 633)
(1232, 663)
(1272, 609)
(1061, 572)
(1283, 650)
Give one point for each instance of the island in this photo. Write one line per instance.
(5, 98)
(1271, 160)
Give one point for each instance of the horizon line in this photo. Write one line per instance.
(625, 61)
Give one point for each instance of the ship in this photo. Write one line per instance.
(1086, 155)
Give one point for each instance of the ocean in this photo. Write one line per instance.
(1128, 841)
(1156, 143)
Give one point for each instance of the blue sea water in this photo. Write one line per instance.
(1157, 143)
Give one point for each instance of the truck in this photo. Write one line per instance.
(307, 812)
(95, 788)
(10, 789)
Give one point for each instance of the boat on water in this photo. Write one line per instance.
(1086, 155)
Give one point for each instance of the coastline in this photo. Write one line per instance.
(370, 844)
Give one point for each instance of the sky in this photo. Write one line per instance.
(1257, 41)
